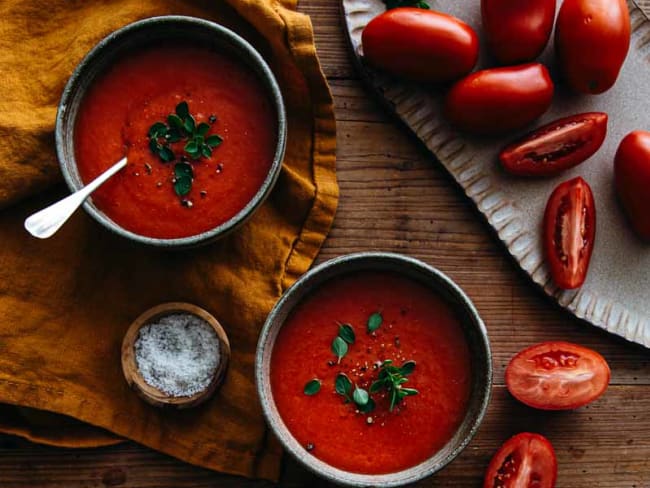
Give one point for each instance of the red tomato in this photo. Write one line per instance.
(516, 30)
(556, 146)
(632, 174)
(557, 376)
(523, 461)
(592, 38)
(499, 99)
(422, 45)
(569, 232)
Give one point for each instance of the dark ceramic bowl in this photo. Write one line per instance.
(136, 35)
(475, 333)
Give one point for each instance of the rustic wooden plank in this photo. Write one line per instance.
(610, 451)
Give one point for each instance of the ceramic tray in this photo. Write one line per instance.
(616, 294)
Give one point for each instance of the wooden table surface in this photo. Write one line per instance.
(395, 197)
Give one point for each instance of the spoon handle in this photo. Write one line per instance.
(46, 222)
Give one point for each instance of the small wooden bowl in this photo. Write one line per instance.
(153, 395)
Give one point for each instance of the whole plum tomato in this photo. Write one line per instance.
(499, 100)
(569, 232)
(421, 45)
(632, 176)
(526, 460)
(517, 30)
(556, 146)
(592, 38)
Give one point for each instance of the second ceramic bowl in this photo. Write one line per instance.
(475, 335)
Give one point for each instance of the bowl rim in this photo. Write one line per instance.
(339, 266)
(221, 34)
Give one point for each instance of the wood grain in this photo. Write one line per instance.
(395, 197)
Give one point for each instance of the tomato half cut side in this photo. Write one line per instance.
(557, 146)
(557, 376)
(526, 460)
(569, 232)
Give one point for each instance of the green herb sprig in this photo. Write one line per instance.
(358, 396)
(340, 343)
(406, 3)
(391, 378)
(181, 126)
(375, 321)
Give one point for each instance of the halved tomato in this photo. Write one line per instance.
(524, 461)
(557, 146)
(569, 232)
(557, 376)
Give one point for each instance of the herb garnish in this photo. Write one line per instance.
(406, 3)
(375, 321)
(181, 126)
(360, 397)
(346, 332)
(312, 387)
(339, 348)
(391, 378)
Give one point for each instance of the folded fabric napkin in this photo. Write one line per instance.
(66, 302)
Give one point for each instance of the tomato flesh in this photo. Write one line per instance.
(557, 146)
(632, 176)
(569, 232)
(526, 460)
(557, 376)
(421, 45)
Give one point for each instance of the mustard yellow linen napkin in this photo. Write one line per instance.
(65, 303)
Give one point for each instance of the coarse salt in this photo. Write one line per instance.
(178, 354)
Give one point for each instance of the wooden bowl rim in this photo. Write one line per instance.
(152, 394)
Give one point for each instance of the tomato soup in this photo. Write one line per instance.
(143, 88)
(412, 324)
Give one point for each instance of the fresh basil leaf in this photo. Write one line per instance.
(206, 151)
(175, 123)
(182, 185)
(189, 124)
(312, 387)
(360, 396)
(407, 368)
(166, 154)
(213, 140)
(157, 130)
(191, 147)
(342, 384)
(339, 348)
(173, 135)
(183, 110)
(377, 386)
(368, 407)
(154, 147)
(346, 332)
(199, 140)
(183, 170)
(374, 321)
(409, 391)
(203, 129)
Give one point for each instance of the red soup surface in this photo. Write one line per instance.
(143, 88)
(417, 325)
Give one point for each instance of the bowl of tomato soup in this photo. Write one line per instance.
(198, 114)
(374, 369)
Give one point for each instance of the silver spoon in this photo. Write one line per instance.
(46, 222)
